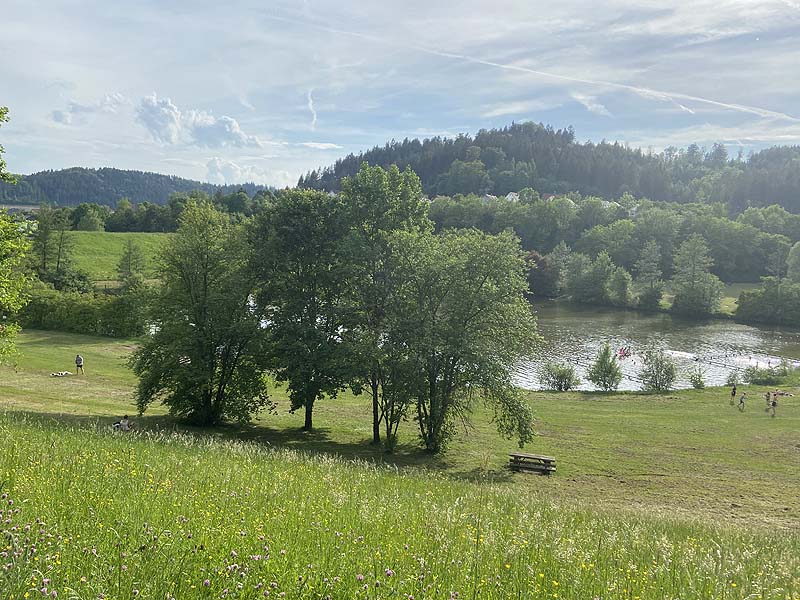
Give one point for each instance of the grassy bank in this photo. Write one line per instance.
(98, 252)
(165, 515)
(687, 454)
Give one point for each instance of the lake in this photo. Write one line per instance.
(574, 334)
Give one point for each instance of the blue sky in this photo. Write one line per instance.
(266, 90)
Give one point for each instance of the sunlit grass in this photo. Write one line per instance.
(156, 515)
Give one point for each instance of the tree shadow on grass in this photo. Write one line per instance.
(317, 441)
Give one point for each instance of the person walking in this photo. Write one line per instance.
(733, 394)
(768, 398)
(79, 364)
(774, 406)
(741, 401)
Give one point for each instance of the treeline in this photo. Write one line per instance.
(106, 186)
(753, 245)
(147, 216)
(499, 161)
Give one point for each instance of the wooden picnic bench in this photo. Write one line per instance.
(520, 461)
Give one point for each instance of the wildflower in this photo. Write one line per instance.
(359, 577)
(389, 572)
(206, 583)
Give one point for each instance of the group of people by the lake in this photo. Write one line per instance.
(770, 398)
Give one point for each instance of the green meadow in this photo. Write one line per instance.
(656, 496)
(97, 253)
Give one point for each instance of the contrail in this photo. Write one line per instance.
(639, 91)
(311, 109)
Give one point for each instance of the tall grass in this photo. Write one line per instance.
(87, 513)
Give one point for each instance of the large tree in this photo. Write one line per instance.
(378, 202)
(206, 357)
(697, 291)
(300, 260)
(13, 282)
(461, 323)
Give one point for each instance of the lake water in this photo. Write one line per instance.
(574, 334)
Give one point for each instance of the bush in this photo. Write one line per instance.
(558, 377)
(658, 373)
(697, 377)
(734, 378)
(650, 298)
(769, 376)
(605, 372)
(91, 314)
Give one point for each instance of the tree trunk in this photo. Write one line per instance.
(308, 424)
(376, 419)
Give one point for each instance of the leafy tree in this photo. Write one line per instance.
(588, 280)
(696, 290)
(462, 320)
(605, 372)
(648, 276)
(206, 358)
(300, 260)
(378, 202)
(658, 373)
(13, 281)
(558, 377)
(464, 178)
(793, 263)
(132, 263)
(4, 174)
(620, 288)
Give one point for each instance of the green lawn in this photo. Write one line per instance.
(98, 252)
(671, 496)
(687, 453)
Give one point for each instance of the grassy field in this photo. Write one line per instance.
(673, 496)
(98, 252)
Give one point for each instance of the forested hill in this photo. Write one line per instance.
(499, 161)
(105, 186)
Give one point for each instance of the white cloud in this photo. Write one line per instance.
(517, 108)
(312, 111)
(591, 104)
(169, 125)
(320, 145)
(109, 103)
(224, 171)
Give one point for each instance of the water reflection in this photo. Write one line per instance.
(574, 334)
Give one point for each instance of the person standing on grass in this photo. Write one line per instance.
(733, 394)
(78, 364)
(741, 401)
(767, 398)
(774, 404)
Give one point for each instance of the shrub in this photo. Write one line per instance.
(605, 372)
(734, 378)
(697, 377)
(768, 376)
(558, 377)
(658, 373)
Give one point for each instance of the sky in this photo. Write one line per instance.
(266, 90)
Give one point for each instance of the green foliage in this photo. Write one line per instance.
(13, 281)
(86, 313)
(658, 373)
(775, 301)
(793, 263)
(462, 321)
(605, 372)
(132, 263)
(769, 376)
(380, 202)
(697, 377)
(648, 276)
(733, 378)
(206, 356)
(558, 377)
(620, 288)
(300, 261)
(588, 280)
(5, 176)
(696, 291)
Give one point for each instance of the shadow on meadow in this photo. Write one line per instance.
(318, 441)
